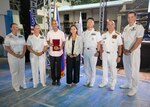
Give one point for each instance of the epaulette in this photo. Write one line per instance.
(104, 32)
(10, 36)
(20, 36)
(138, 23)
(117, 33)
(42, 35)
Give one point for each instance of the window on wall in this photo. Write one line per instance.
(66, 23)
(84, 17)
(66, 17)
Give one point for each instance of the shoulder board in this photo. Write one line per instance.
(117, 33)
(41, 35)
(96, 30)
(10, 36)
(20, 36)
(138, 23)
(104, 32)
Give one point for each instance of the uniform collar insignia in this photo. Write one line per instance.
(137, 23)
(104, 37)
(133, 29)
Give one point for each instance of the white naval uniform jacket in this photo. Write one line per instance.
(130, 34)
(90, 39)
(110, 42)
(36, 43)
(16, 43)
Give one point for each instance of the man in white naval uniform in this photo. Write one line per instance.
(16, 48)
(111, 54)
(37, 45)
(132, 38)
(91, 44)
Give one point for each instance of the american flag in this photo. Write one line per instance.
(32, 22)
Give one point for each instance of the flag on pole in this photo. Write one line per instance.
(32, 22)
(80, 30)
(80, 27)
(56, 17)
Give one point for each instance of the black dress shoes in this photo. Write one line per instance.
(58, 83)
(54, 83)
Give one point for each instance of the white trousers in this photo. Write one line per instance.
(17, 70)
(109, 64)
(132, 66)
(38, 63)
(90, 66)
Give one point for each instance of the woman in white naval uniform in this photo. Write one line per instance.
(132, 38)
(73, 50)
(91, 44)
(111, 54)
(37, 46)
(16, 48)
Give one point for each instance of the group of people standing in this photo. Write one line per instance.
(91, 44)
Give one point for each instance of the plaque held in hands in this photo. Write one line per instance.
(56, 44)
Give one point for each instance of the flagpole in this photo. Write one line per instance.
(55, 9)
(50, 13)
(80, 27)
(44, 17)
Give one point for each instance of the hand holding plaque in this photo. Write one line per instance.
(56, 44)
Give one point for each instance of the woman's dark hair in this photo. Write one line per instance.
(70, 34)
